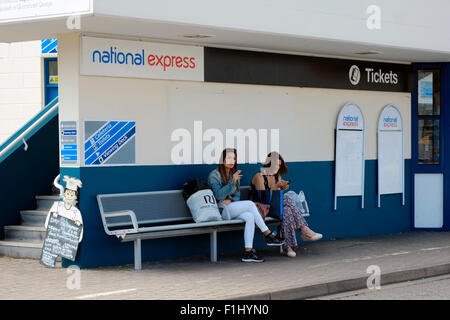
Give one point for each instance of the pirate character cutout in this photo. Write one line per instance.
(67, 207)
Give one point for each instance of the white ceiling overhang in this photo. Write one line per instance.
(226, 37)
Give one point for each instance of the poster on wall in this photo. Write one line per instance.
(425, 88)
(390, 153)
(111, 142)
(350, 153)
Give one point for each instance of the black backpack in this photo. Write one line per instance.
(192, 186)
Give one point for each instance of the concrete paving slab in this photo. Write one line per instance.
(320, 268)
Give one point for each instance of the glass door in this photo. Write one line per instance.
(427, 158)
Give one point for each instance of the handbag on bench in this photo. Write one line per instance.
(201, 201)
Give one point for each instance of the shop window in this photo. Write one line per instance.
(428, 116)
(428, 141)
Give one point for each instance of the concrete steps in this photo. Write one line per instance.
(27, 239)
(25, 233)
(33, 217)
(45, 202)
(21, 249)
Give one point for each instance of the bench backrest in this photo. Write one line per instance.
(149, 207)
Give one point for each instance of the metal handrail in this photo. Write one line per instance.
(21, 137)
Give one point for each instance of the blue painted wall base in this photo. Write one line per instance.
(315, 178)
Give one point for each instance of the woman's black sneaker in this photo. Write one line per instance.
(251, 256)
(273, 240)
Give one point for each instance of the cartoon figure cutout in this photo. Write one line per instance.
(66, 207)
(64, 224)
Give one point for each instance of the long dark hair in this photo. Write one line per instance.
(268, 163)
(221, 167)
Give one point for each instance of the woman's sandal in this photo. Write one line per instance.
(291, 254)
(315, 237)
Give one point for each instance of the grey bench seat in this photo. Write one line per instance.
(160, 214)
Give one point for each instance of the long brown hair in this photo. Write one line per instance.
(221, 167)
(275, 156)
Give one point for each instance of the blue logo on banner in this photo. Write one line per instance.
(107, 141)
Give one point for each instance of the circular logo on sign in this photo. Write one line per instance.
(354, 75)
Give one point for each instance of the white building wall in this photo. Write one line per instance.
(305, 117)
(20, 85)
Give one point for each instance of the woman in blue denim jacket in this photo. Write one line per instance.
(225, 184)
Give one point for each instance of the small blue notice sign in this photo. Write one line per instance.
(68, 143)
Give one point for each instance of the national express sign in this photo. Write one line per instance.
(138, 59)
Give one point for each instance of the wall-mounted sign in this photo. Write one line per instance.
(350, 153)
(39, 9)
(237, 66)
(49, 46)
(390, 153)
(53, 79)
(109, 143)
(138, 59)
(68, 137)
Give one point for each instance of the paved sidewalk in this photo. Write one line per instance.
(320, 268)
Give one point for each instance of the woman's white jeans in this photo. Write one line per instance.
(247, 211)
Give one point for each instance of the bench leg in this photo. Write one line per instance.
(137, 255)
(213, 246)
(279, 232)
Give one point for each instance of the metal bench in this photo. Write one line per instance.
(160, 214)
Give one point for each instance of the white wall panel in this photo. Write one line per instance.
(20, 85)
(428, 200)
(306, 117)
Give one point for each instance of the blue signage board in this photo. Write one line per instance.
(68, 143)
(109, 142)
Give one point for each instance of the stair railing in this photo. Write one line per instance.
(21, 135)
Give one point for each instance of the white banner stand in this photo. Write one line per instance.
(391, 171)
(350, 153)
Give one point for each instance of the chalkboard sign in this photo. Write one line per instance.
(61, 240)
